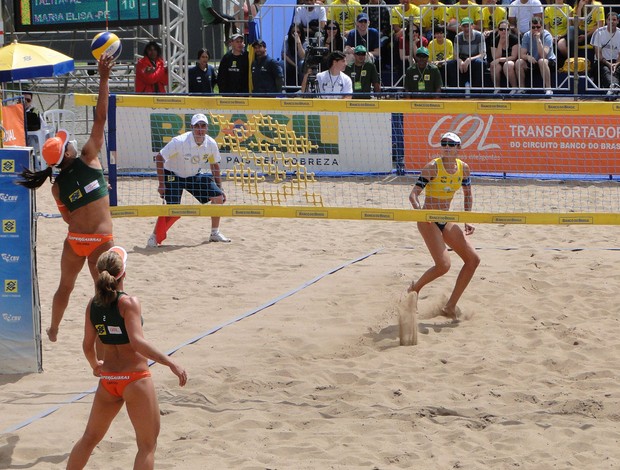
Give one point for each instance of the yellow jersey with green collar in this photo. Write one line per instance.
(444, 185)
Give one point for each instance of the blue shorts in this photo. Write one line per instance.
(202, 186)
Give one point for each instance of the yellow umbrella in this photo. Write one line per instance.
(23, 61)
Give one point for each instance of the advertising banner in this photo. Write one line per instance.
(14, 127)
(20, 328)
(519, 143)
(320, 142)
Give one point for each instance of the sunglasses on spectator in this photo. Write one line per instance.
(502, 29)
(332, 27)
(536, 27)
(360, 53)
(362, 21)
(449, 143)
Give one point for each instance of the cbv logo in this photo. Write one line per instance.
(9, 258)
(11, 318)
(8, 197)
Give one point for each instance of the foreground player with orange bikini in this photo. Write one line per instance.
(116, 318)
(81, 193)
(441, 178)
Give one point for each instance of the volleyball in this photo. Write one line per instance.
(106, 42)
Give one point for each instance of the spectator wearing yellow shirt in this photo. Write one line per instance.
(557, 21)
(463, 9)
(344, 13)
(441, 50)
(433, 16)
(492, 16)
(405, 12)
(591, 17)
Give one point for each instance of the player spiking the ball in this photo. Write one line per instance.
(81, 193)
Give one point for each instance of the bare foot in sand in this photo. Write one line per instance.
(52, 334)
(452, 313)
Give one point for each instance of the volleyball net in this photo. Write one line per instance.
(549, 162)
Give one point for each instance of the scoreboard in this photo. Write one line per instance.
(64, 15)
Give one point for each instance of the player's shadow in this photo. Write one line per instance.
(165, 248)
(388, 337)
(6, 453)
(425, 328)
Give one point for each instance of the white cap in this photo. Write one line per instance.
(451, 137)
(196, 118)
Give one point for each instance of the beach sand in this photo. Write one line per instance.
(317, 380)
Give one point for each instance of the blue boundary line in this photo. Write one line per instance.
(268, 304)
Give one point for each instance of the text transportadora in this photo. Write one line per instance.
(566, 132)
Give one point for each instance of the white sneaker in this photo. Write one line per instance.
(548, 92)
(151, 242)
(219, 237)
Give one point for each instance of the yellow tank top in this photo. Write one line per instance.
(444, 185)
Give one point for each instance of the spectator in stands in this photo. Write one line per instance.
(267, 76)
(212, 16)
(423, 77)
(232, 74)
(556, 19)
(151, 70)
(33, 119)
(536, 56)
(606, 42)
(520, 14)
(333, 80)
(433, 17)
(182, 165)
(592, 17)
(311, 17)
(344, 12)
(249, 9)
(33, 123)
(201, 77)
(441, 51)
(467, 68)
(379, 18)
(362, 35)
(409, 42)
(363, 74)
(492, 16)
(293, 55)
(502, 52)
(406, 12)
(459, 11)
(403, 15)
(332, 37)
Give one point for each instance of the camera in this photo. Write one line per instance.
(315, 54)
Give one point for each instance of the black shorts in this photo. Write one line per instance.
(202, 186)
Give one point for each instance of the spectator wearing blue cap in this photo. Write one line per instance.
(363, 35)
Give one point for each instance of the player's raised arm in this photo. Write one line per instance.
(90, 150)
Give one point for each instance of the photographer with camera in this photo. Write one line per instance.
(332, 83)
